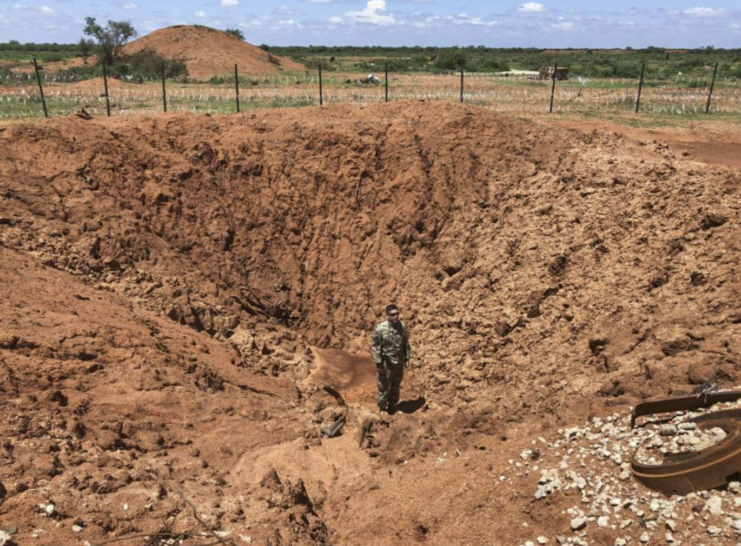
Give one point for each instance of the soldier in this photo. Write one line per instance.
(391, 353)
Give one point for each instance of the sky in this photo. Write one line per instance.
(550, 24)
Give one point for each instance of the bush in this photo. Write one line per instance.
(52, 57)
(451, 59)
(235, 32)
(312, 63)
(493, 64)
(147, 64)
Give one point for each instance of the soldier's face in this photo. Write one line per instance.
(393, 317)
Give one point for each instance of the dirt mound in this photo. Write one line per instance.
(547, 275)
(209, 52)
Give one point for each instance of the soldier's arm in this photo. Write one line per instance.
(376, 347)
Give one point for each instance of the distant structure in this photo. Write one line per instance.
(546, 73)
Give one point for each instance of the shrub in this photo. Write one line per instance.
(451, 58)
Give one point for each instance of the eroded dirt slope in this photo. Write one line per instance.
(547, 275)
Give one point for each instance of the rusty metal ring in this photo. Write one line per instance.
(683, 473)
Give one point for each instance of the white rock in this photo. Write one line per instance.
(4, 538)
(671, 525)
(50, 509)
(76, 529)
(668, 430)
(713, 530)
(620, 542)
(714, 505)
(669, 537)
(644, 538)
(542, 540)
(577, 524)
(687, 426)
(246, 538)
(603, 521)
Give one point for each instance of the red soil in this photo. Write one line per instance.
(209, 52)
(164, 278)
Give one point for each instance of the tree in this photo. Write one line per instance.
(235, 32)
(451, 58)
(85, 47)
(110, 38)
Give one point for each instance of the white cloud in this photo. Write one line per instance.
(46, 9)
(566, 25)
(335, 20)
(228, 3)
(465, 19)
(704, 12)
(200, 14)
(129, 5)
(531, 7)
(320, 1)
(374, 14)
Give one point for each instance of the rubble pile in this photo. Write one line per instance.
(590, 466)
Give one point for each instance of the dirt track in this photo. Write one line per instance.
(166, 276)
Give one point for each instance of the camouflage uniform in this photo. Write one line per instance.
(390, 351)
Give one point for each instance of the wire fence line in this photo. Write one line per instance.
(20, 95)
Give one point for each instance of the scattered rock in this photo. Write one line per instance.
(577, 524)
(714, 505)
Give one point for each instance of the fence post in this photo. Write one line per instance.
(164, 89)
(640, 88)
(553, 87)
(461, 84)
(41, 88)
(105, 85)
(236, 84)
(321, 92)
(710, 92)
(387, 82)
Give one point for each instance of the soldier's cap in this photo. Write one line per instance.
(390, 308)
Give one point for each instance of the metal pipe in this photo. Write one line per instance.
(105, 85)
(710, 92)
(640, 88)
(41, 87)
(553, 87)
(236, 84)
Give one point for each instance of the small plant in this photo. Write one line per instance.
(235, 32)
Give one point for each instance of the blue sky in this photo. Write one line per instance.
(556, 24)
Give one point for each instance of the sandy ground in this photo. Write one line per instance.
(175, 290)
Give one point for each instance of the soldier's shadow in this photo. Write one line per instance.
(410, 406)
